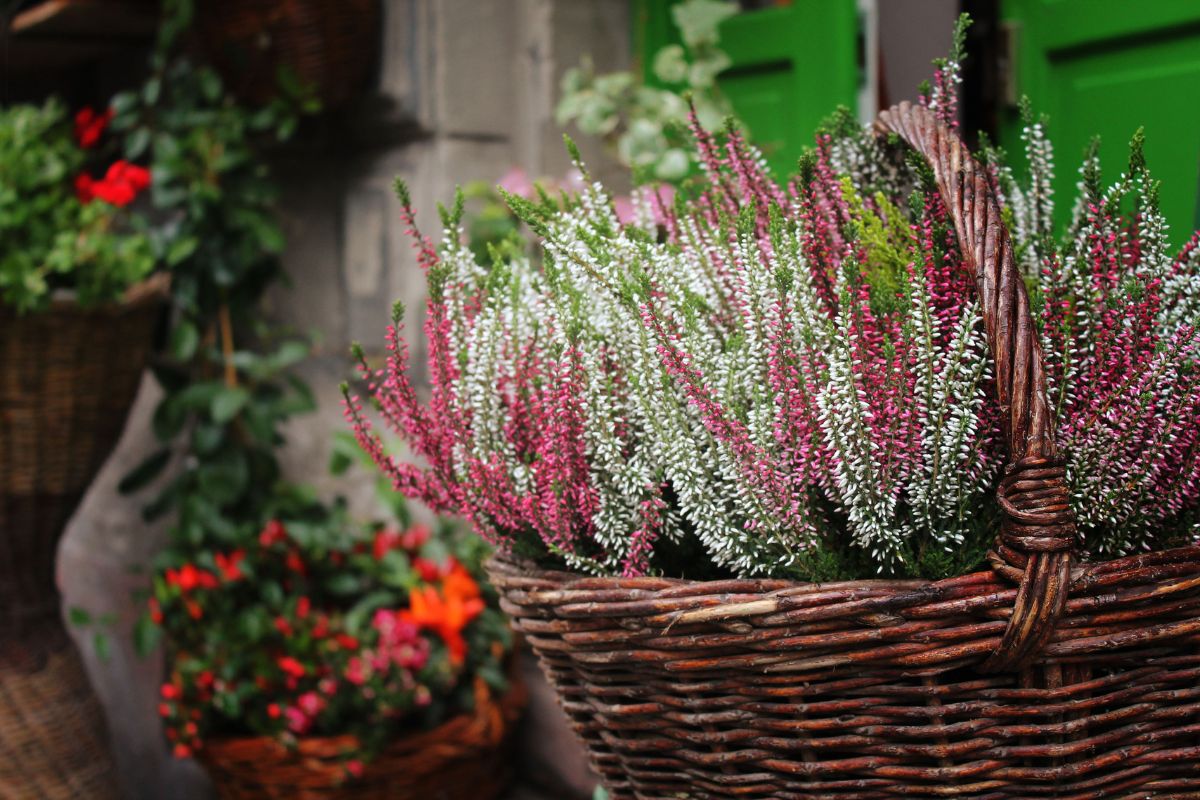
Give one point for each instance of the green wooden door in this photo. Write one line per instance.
(794, 63)
(1106, 67)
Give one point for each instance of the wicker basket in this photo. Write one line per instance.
(331, 46)
(469, 757)
(1038, 679)
(53, 743)
(68, 377)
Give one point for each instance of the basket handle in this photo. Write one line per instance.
(1037, 535)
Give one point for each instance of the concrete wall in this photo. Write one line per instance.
(466, 89)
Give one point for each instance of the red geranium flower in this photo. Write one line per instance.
(273, 533)
(188, 577)
(385, 540)
(85, 187)
(291, 666)
(89, 126)
(122, 183)
(230, 564)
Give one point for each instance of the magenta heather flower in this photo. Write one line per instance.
(790, 377)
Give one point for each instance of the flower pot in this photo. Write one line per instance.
(68, 377)
(1039, 678)
(468, 757)
(329, 46)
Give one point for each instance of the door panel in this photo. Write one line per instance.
(1100, 67)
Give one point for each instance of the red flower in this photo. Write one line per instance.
(89, 126)
(355, 768)
(156, 615)
(283, 626)
(188, 577)
(273, 711)
(85, 187)
(346, 641)
(291, 666)
(164, 710)
(303, 606)
(230, 565)
(182, 751)
(414, 537)
(122, 183)
(169, 691)
(295, 563)
(385, 540)
(427, 569)
(205, 679)
(273, 533)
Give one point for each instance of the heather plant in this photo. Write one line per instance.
(790, 379)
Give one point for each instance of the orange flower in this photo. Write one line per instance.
(446, 613)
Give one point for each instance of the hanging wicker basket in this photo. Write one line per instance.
(469, 757)
(330, 46)
(68, 377)
(1042, 678)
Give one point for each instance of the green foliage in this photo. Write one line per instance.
(644, 125)
(49, 239)
(226, 375)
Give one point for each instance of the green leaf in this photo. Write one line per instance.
(145, 472)
(185, 338)
(146, 635)
(227, 404)
(181, 249)
(206, 438)
(79, 616)
(169, 418)
(137, 143)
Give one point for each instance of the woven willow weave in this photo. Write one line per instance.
(68, 377)
(469, 757)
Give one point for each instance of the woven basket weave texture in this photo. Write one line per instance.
(68, 377)
(469, 757)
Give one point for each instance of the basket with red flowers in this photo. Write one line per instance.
(322, 661)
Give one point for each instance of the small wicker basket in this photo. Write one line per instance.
(329, 46)
(1038, 679)
(468, 757)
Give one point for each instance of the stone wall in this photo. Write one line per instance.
(465, 90)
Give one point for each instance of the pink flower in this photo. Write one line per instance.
(356, 671)
(516, 181)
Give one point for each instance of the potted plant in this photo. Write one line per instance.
(79, 308)
(858, 485)
(317, 660)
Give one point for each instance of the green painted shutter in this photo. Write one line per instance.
(793, 65)
(1107, 67)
